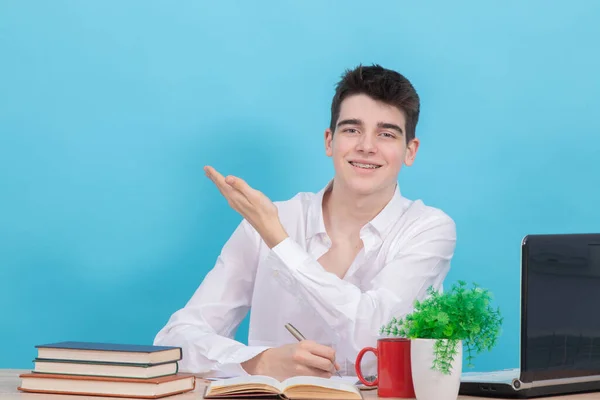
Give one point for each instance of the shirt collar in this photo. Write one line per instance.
(389, 214)
(315, 224)
(381, 223)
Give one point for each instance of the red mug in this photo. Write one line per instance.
(394, 375)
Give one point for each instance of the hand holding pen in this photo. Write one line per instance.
(306, 357)
(300, 337)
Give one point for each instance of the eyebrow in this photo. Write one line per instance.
(385, 125)
(381, 125)
(349, 122)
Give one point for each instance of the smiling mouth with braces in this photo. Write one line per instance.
(365, 166)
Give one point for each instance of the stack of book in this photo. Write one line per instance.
(103, 369)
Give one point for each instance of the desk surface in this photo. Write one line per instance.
(9, 380)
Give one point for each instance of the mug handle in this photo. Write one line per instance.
(357, 366)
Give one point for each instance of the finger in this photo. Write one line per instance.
(216, 177)
(313, 361)
(227, 191)
(320, 350)
(242, 186)
(239, 202)
(229, 184)
(211, 171)
(234, 197)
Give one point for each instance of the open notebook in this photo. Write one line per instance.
(296, 388)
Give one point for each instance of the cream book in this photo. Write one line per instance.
(90, 368)
(296, 388)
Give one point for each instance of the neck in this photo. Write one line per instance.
(345, 212)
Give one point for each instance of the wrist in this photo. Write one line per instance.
(253, 366)
(274, 234)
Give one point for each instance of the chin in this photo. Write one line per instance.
(364, 187)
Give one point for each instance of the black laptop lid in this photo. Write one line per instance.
(561, 306)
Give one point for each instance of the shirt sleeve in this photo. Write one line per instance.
(204, 328)
(356, 316)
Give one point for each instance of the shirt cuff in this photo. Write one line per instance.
(232, 366)
(290, 254)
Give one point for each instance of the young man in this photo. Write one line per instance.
(337, 264)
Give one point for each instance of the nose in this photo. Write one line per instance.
(366, 144)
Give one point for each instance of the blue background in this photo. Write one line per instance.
(110, 109)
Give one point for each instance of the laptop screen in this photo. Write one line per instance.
(561, 307)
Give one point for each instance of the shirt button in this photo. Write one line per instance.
(275, 273)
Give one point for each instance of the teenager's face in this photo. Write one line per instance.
(368, 146)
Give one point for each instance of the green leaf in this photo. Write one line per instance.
(461, 313)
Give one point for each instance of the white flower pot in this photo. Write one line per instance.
(432, 384)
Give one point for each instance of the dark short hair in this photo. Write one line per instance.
(380, 84)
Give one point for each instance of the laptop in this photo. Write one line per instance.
(560, 322)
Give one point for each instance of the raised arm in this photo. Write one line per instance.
(423, 260)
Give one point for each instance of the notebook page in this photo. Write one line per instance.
(337, 384)
(241, 380)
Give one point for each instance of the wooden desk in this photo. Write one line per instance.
(9, 381)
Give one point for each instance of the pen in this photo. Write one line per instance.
(296, 333)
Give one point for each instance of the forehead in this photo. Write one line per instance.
(370, 112)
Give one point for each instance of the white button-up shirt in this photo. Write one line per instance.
(407, 248)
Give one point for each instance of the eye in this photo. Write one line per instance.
(350, 130)
(388, 135)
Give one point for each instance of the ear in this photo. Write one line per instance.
(411, 152)
(328, 142)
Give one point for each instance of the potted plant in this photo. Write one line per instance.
(438, 328)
